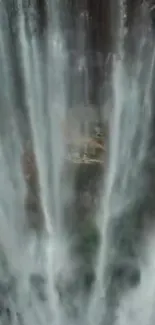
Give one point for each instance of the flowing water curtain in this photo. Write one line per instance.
(45, 96)
(11, 147)
(117, 194)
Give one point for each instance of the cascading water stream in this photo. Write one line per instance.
(125, 177)
(46, 117)
(46, 257)
(46, 102)
(13, 187)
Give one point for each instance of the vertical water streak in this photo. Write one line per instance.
(56, 102)
(41, 135)
(31, 76)
(12, 181)
(129, 134)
